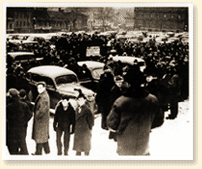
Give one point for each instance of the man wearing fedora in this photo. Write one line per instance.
(133, 115)
(40, 132)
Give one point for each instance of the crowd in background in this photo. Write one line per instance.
(159, 58)
(166, 76)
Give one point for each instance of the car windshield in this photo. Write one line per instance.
(65, 79)
(96, 73)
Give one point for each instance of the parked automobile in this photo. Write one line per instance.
(18, 38)
(22, 57)
(52, 38)
(59, 81)
(34, 39)
(130, 60)
(91, 79)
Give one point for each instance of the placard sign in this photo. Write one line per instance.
(92, 51)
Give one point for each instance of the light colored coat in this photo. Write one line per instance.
(83, 128)
(40, 132)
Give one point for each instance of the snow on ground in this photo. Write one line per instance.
(173, 140)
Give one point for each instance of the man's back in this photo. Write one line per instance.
(16, 115)
(132, 118)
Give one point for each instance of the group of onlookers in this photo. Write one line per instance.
(67, 120)
(131, 102)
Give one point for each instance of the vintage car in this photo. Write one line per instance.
(130, 60)
(59, 82)
(91, 79)
(22, 57)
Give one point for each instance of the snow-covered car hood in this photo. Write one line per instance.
(69, 89)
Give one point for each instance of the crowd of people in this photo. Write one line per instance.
(164, 83)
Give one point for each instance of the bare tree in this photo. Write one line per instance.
(130, 14)
(104, 14)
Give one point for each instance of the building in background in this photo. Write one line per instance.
(19, 20)
(161, 18)
(43, 20)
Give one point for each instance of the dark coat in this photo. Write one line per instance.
(63, 119)
(133, 118)
(84, 124)
(18, 115)
(40, 132)
(102, 98)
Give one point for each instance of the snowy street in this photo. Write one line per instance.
(172, 141)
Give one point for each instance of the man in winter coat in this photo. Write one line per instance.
(17, 114)
(133, 115)
(83, 128)
(103, 92)
(40, 132)
(63, 119)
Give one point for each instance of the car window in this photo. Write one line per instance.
(38, 78)
(65, 79)
(23, 57)
(96, 73)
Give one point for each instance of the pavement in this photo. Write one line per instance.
(172, 141)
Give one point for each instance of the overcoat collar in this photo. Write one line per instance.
(79, 115)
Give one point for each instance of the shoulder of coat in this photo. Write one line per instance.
(152, 98)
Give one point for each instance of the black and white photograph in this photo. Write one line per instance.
(97, 81)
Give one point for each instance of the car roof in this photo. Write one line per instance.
(91, 64)
(51, 71)
(14, 54)
(127, 59)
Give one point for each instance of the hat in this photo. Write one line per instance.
(41, 83)
(134, 76)
(22, 92)
(80, 93)
(13, 92)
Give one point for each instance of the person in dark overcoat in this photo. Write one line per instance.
(83, 127)
(40, 132)
(103, 92)
(17, 116)
(133, 115)
(64, 118)
(115, 93)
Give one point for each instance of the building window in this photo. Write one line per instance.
(179, 17)
(24, 23)
(17, 23)
(165, 15)
(10, 25)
